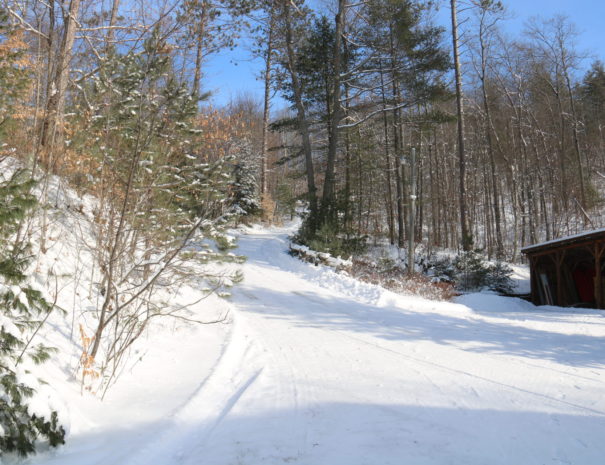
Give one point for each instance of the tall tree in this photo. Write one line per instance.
(467, 237)
(289, 61)
(336, 116)
(489, 12)
(51, 134)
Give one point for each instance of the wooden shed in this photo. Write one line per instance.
(568, 271)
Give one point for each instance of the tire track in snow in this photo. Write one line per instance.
(250, 354)
(191, 426)
(286, 366)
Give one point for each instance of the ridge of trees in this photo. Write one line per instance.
(516, 157)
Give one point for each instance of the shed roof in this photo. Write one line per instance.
(587, 236)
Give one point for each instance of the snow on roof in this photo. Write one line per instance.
(562, 240)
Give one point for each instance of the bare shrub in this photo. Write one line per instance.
(397, 280)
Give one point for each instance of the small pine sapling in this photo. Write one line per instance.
(474, 273)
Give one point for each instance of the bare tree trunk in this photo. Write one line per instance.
(267, 106)
(388, 166)
(199, 49)
(336, 117)
(112, 22)
(347, 193)
(434, 238)
(303, 123)
(397, 148)
(467, 237)
(490, 146)
(51, 131)
(576, 144)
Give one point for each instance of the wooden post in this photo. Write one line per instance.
(598, 289)
(559, 262)
(532, 281)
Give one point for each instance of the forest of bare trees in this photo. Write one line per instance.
(507, 132)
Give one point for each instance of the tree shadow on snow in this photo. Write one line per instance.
(425, 323)
(349, 434)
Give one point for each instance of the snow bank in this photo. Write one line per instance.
(312, 256)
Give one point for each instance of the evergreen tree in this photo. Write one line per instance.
(592, 92)
(158, 189)
(245, 186)
(315, 68)
(22, 311)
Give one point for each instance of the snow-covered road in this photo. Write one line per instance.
(320, 369)
(324, 370)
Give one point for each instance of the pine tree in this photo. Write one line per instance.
(592, 93)
(158, 190)
(245, 193)
(23, 310)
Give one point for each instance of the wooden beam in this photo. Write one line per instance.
(576, 245)
(586, 238)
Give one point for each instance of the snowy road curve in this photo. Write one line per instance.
(324, 370)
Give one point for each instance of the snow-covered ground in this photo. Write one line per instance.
(319, 369)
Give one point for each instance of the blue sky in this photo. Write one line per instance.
(233, 72)
(588, 15)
